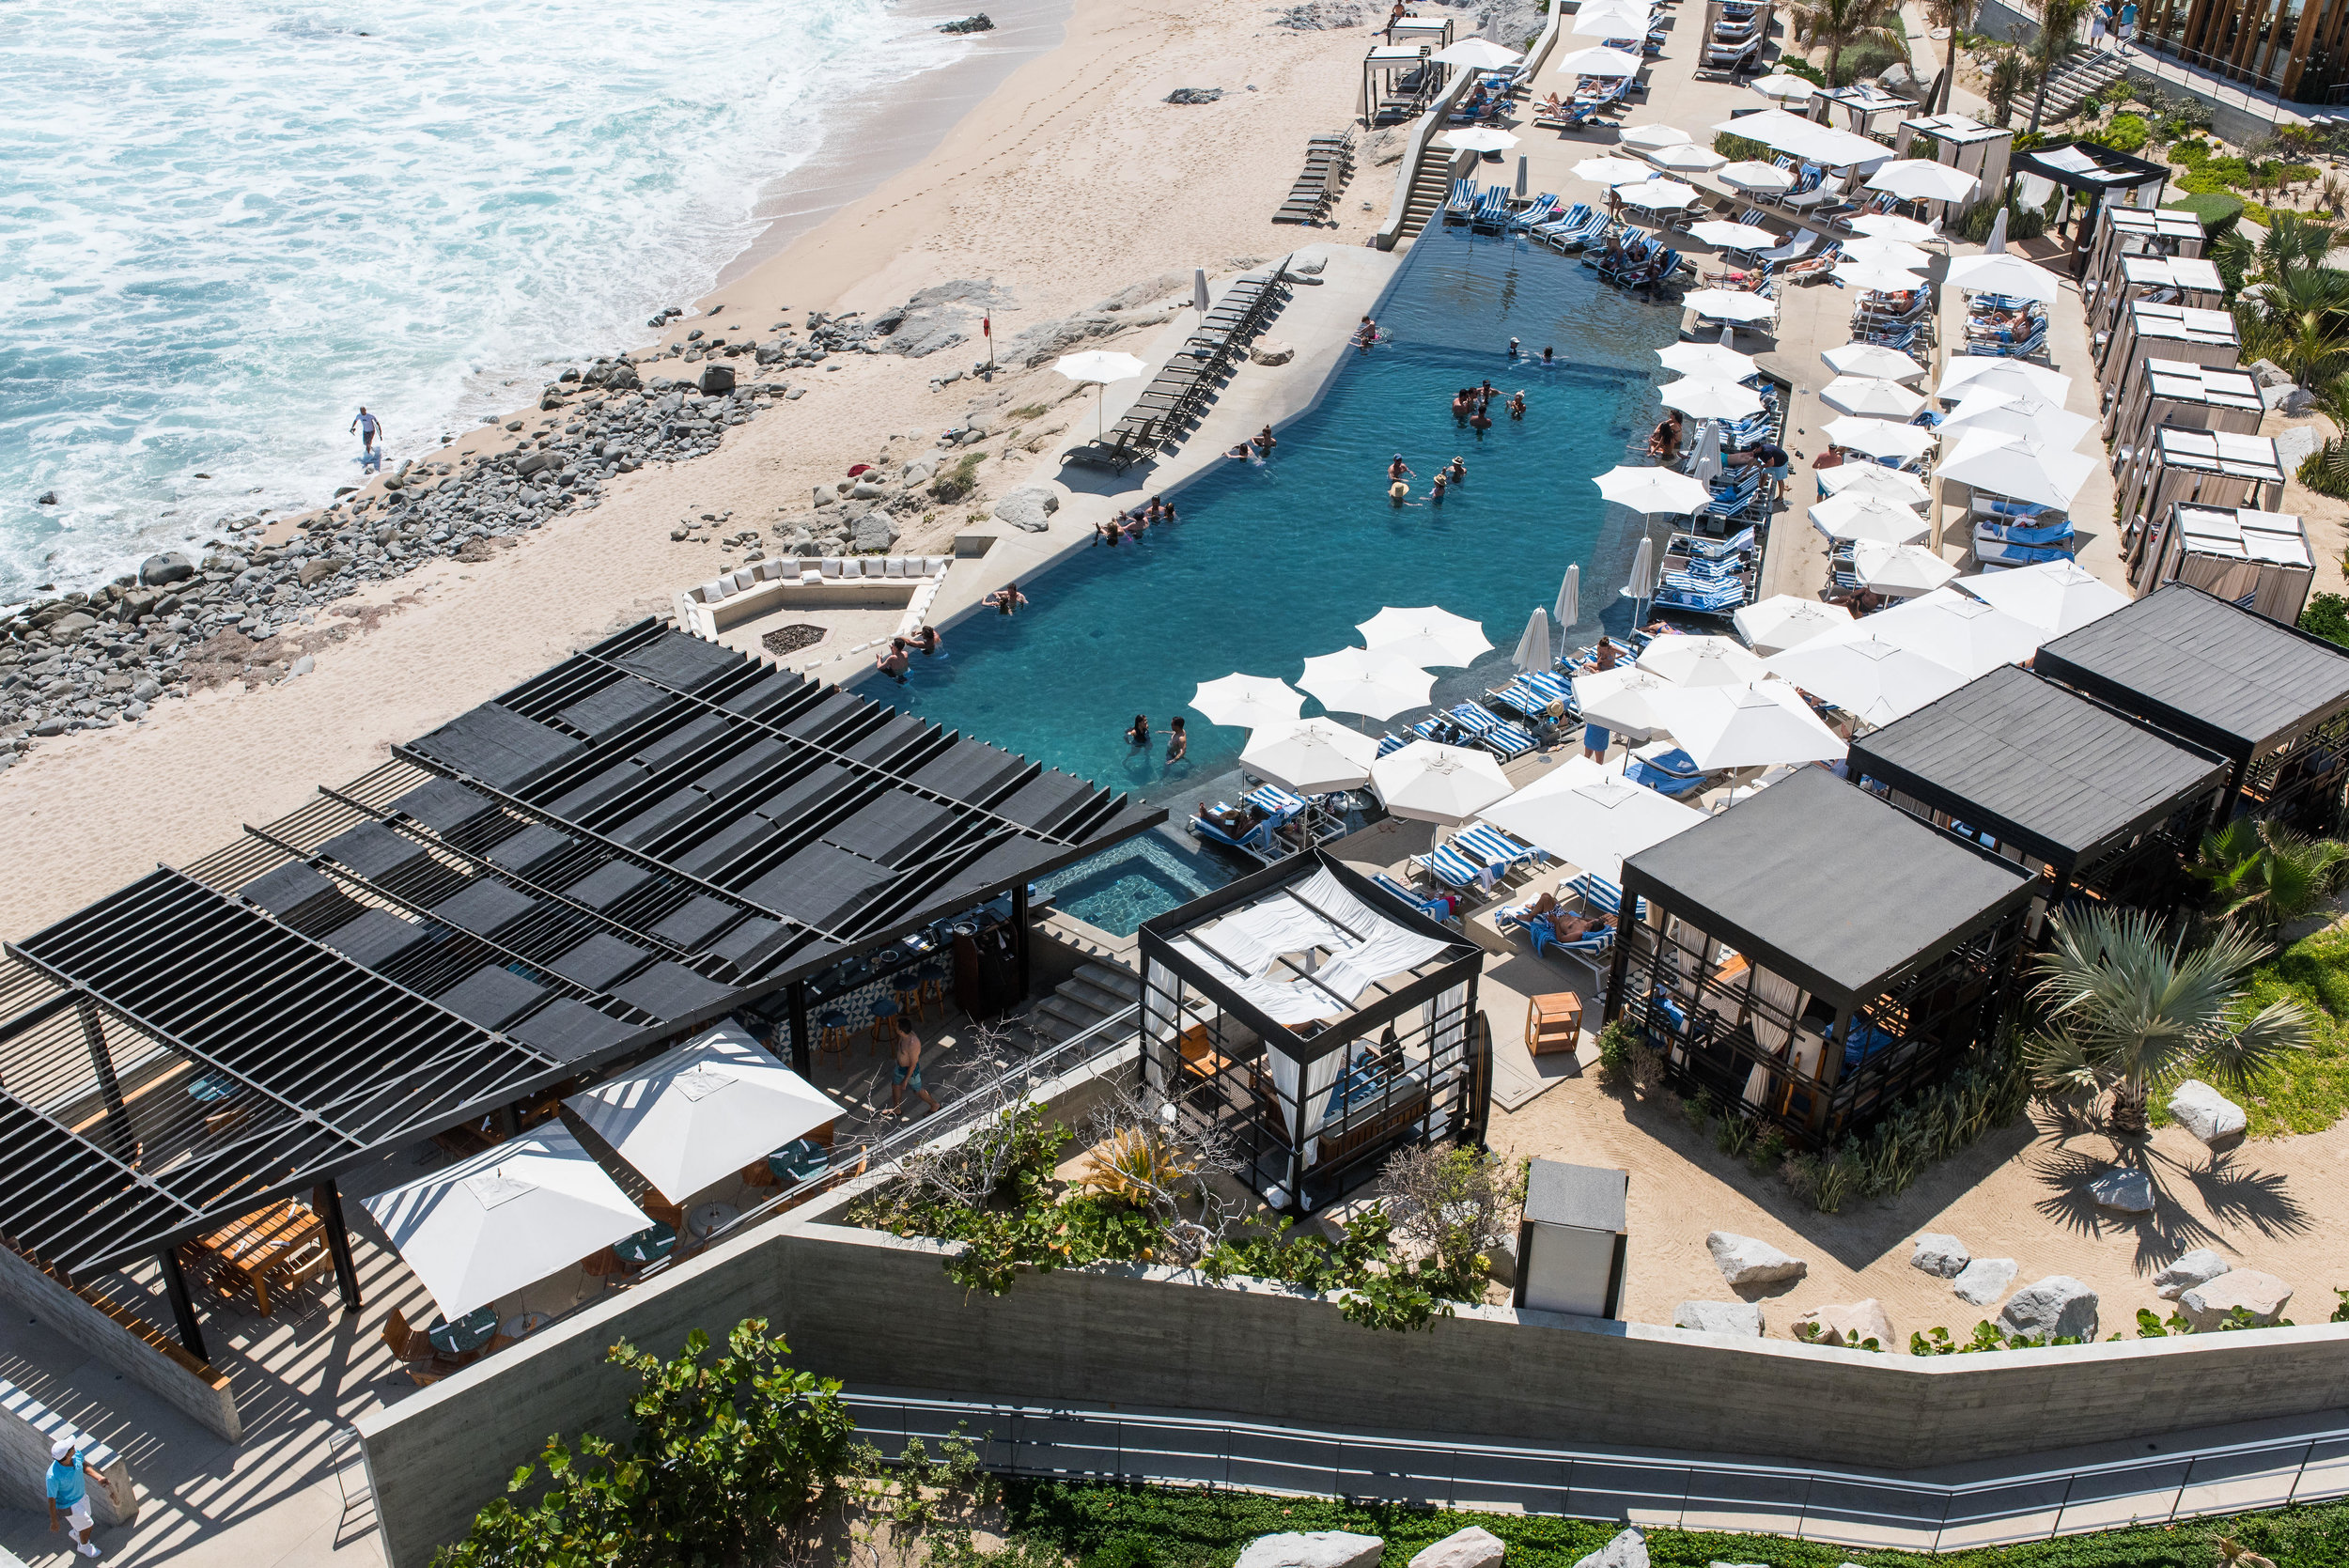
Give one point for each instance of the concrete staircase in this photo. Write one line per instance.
(1095, 992)
(1430, 187)
(2080, 78)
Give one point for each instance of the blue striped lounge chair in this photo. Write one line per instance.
(1462, 201)
(1275, 803)
(1598, 895)
(1672, 773)
(1434, 908)
(1391, 743)
(1492, 731)
(1533, 695)
(1463, 860)
(1493, 211)
(1263, 840)
(1717, 549)
(1545, 209)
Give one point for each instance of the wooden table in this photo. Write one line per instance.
(250, 1247)
(1553, 1023)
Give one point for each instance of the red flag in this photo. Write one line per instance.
(986, 327)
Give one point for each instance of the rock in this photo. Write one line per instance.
(1311, 262)
(1028, 507)
(2266, 372)
(1900, 80)
(56, 724)
(1312, 1548)
(1501, 1262)
(1944, 1257)
(982, 22)
(312, 573)
(1984, 1279)
(873, 531)
(2296, 444)
(717, 378)
(2209, 1304)
(2208, 1114)
(1741, 1318)
(145, 690)
(1271, 350)
(865, 488)
(301, 666)
(2196, 1267)
(1048, 340)
(1627, 1550)
(2124, 1191)
(2057, 1307)
(1744, 1260)
(65, 627)
(1850, 1326)
(46, 498)
(1148, 292)
(1194, 95)
(1386, 148)
(2293, 402)
(1473, 1547)
(157, 571)
(535, 463)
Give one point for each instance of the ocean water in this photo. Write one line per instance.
(1270, 564)
(229, 223)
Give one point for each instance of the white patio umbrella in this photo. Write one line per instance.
(1996, 243)
(1873, 517)
(1873, 479)
(1610, 22)
(1766, 179)
(1611, 171)
(1701, 660)
(1656, 195)
(1423, 781)
(1099, 366)
(1734, 236)
(2002, 374)
(2005, 274)
(1245, 702)
(1569, 606)
(1875, 680)
(1729, 305)
(1757, 725)
(1880, 438)
(1923, 180)
(1476, 54)
(1888, 253)
(1871, 359)
(1480, 138)
(1783, 621)
(1311, 756)
(1652, 489)
(2017, 466)
(1428, 634)
(1590, 817)
(1966, 634)
(1712, 360)
(1532, 650)
(696, 1116)
(1701, 160)
(2017, 414)
(504, 1218)
(1704, 464)
(1870, 394)
(1655, 136)
(1599, 62)
(1892, 225)
(1876, 278)
(1618, 699)
(1703, 399)
(1375, 685)
(1900, 568)
(2056, 596)
(1779, 87)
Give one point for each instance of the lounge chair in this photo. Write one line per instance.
(1437, 908)
(1491, 732)
(1673, 772)
(1476, 853)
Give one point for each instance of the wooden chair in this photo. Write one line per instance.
(425, 1364)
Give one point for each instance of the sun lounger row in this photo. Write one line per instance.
(1163, 414)
(1329, 164)
(1477, 857)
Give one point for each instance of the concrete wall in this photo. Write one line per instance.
(27, 1427)
(875, 1309)
(205, 1400)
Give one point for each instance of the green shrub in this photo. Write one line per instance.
(2127, 133)
(1865, 59)
(1739, 149)
(959, 480)
(1793, 65)
(1614, 1047)
(2217, 211)
(2327, 614)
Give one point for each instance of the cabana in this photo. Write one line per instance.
(2091, 178)
(2259, 561)
(2146, 329)
(1317, 1022)
(2086, 797)
(1857, 106)
(2270, 698)
(2181, 392)
(1966, 145)
(1814, 954)
(1397, 81)
(2207, 468)
(2124, 231)
(2186, 281)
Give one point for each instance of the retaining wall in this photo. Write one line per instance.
(194, 1388)
(28, 1427)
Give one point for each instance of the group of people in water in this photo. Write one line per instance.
(1400, 474)
(1472, 405)
(1178, 738)
(1134, 521)
(1254, 451)
(898, 657)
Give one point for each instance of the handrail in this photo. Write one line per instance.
(1429, 123)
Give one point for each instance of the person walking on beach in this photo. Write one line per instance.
(68, 1488)
(1007, 599)
(1177, 740)
(906, 1072)
(369, 427)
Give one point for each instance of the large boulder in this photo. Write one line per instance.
(1744, 1260)
(873, 531)
(1473, 1547)
(1627, 1550)
(1898, 80)
(2208, 1305)
(1271, 350)
(717, 378)
(1742, 1318)
(2190, 1270)
(171, 567)
(1028, 507)
(2266, 372)
(2124, 1191)
(2208, 1114)
(1312, 1548)
(1148, 292)
(1944, 1257)
(1851, 1326)
(69, 627)
(2057, 1307)
(1983, 1281)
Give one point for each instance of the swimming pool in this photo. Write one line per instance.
(1272, 562)
(1129, 883)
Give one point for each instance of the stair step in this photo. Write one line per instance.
(1069, 1010)
(1109, 977)
(1099, 997)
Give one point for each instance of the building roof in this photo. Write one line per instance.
(2038, 766)
(1821, 882)
(2200, 667)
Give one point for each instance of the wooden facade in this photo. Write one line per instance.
(2292, 48)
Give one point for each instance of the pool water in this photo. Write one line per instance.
(1271, 563)
(1123, 886)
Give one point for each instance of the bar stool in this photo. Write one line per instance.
(834, 1039)
(933, 979)
(884, 1022)
(910, 998)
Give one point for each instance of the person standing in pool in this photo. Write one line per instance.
(1517, 404)
(1007, 599)
(1265, 443)
(1480, 421)
(1550, 358)
(1457, 470)
(1177, 740)
(1513, 351)
(1138, 734)
(890, 660)
(1435, 491)
(1399, 492)
(1399, 469)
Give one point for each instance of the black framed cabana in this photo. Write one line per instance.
(1315, 1021)
(652, 834)
(1813, 954)
(2093, 176)
(2268, 697)
(2099, 805)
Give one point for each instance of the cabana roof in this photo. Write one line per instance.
(1826, 885)
(2221, 452)
(2038, 766)
(2183, 381)
(2221, 676)
(2087, 167)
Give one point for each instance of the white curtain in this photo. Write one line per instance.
(1447, 1021)
(1161, 1021)
(1304, 1089)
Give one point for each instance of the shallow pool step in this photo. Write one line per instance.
(1099, 997)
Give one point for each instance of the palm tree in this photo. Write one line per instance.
(2007, 75)
(2129, 1009)
(1839, 24)
(1953, 14)
(2264, 873)
(2058, 40)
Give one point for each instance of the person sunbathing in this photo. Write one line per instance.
(1573, 929)
(1546, 904)
(1551, 108)
(1236, 821)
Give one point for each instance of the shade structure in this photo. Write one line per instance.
(1966, 634)
(1712, 360)
(1480, 138)
(1654, 135)
(1873, 479)
(1611, 171)
(1533, 649)
(1245, 702)
(1756, 725)
(1569, 606)
(1620, 698)
(1099, 366)
(1599, 62)
(1652, 489)
(2017, 466)
(1700, 398)
(1873, 680)
(1805, 138)
(1424, 781)
(1779, 87)
(2002, 372)
(1589, 817)
(504, 1218)
(1755, 176)
(2004, 273)
(1871, 359)
(1870, 394)
(1428, 634)
(1375, 685)
(1656, 195)
(1734, 236)
(1923, 180)
(1311, 756)
(1477, 54)
(1699, 159)
(2017, 414)
(1689, 661)
(1880, 438)
(1729, 305)
(1877, 277)
(2055, 596)
(1888, 253)
(1878, 519)
(1892, 225)
(696, 1116)
(1784, 621)
(1900, 568)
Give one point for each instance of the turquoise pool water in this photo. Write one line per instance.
(1120, 888)
(1272, 562)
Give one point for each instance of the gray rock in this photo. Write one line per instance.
(2124, 1191)
(1983, 1281)
(1741, 1318)
(1148, 292)
(1627, 1550)
(2266, 372)
(1309, 262)
(1028, 507)
(1048, 340)
(866, 488)
(312, 573)
(56, 724)
(2296, 444)
(717, 378)
(1312, 1548)
(1271, 351)
(1473, 1547)
(67, 628)
(1501, 1262)
(873, 531)
(1194, 95)
(2208, 1114)
(1744, 1260)
(1849, 1325)
(1898, 79)
(157, 571)
(1944, 1257)
(2196, 1267)
(146, 689)
(2209, 1304)
(2056, 1307)
(533, 462)
(301, 666)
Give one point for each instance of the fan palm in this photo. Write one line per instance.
(2265, 874)
(2129, 1008)
(2004, 83)
(1839, 24)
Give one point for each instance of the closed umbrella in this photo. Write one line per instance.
(1618, 699)
(1704, 464)
(1714, 360)
(2006, 273)
(1947, 628)
(1880, 438)
(1996, 243)
(1872, 358)
(1521, 174)
(1652, 490)
(2017, 414)
(1873, 680)
(1244, 702)
(1200, 301)
(1762, 180)
(1375, 685)
(1533, 651)
(1757, 725)
(1700, 661)
(1569, 606)
(1599, 62)
(1701, 399)
(1611, 171)
(1426, 635)
(1875, 277)
(1729, 305)
(1424, 781)
(2054, 596)
(1647, 137)
(1900, 568)
(1734, 236)
(1923, 180)
(1099, 366)
(1480, 138)
(1873, 479)
(695, 1116)
(1892, 225)
(1476, 54)
(2002, 372)
(1873, 517)
(1589, 817)
(1870, 394)
(1783, 621)
(2017, 466)
(1779, 87)
(1310, 756)
(1640, 584)
(1700, 160)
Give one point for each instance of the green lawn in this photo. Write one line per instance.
(2310, 1092)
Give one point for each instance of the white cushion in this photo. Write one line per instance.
(746, 578)
(830, 565)
(939, 564)
(852, 567)
(893, 567)
(710, 593)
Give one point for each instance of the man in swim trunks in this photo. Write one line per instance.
(906, 1072)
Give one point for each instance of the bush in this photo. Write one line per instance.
(2127, 133)
(959, 480)
(1865, 59)
(1794, 66)
(2326, 616)
(1739, 149)
(2023, 222)
(2326, 471)
(2217, 211)
(1616, 1040)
